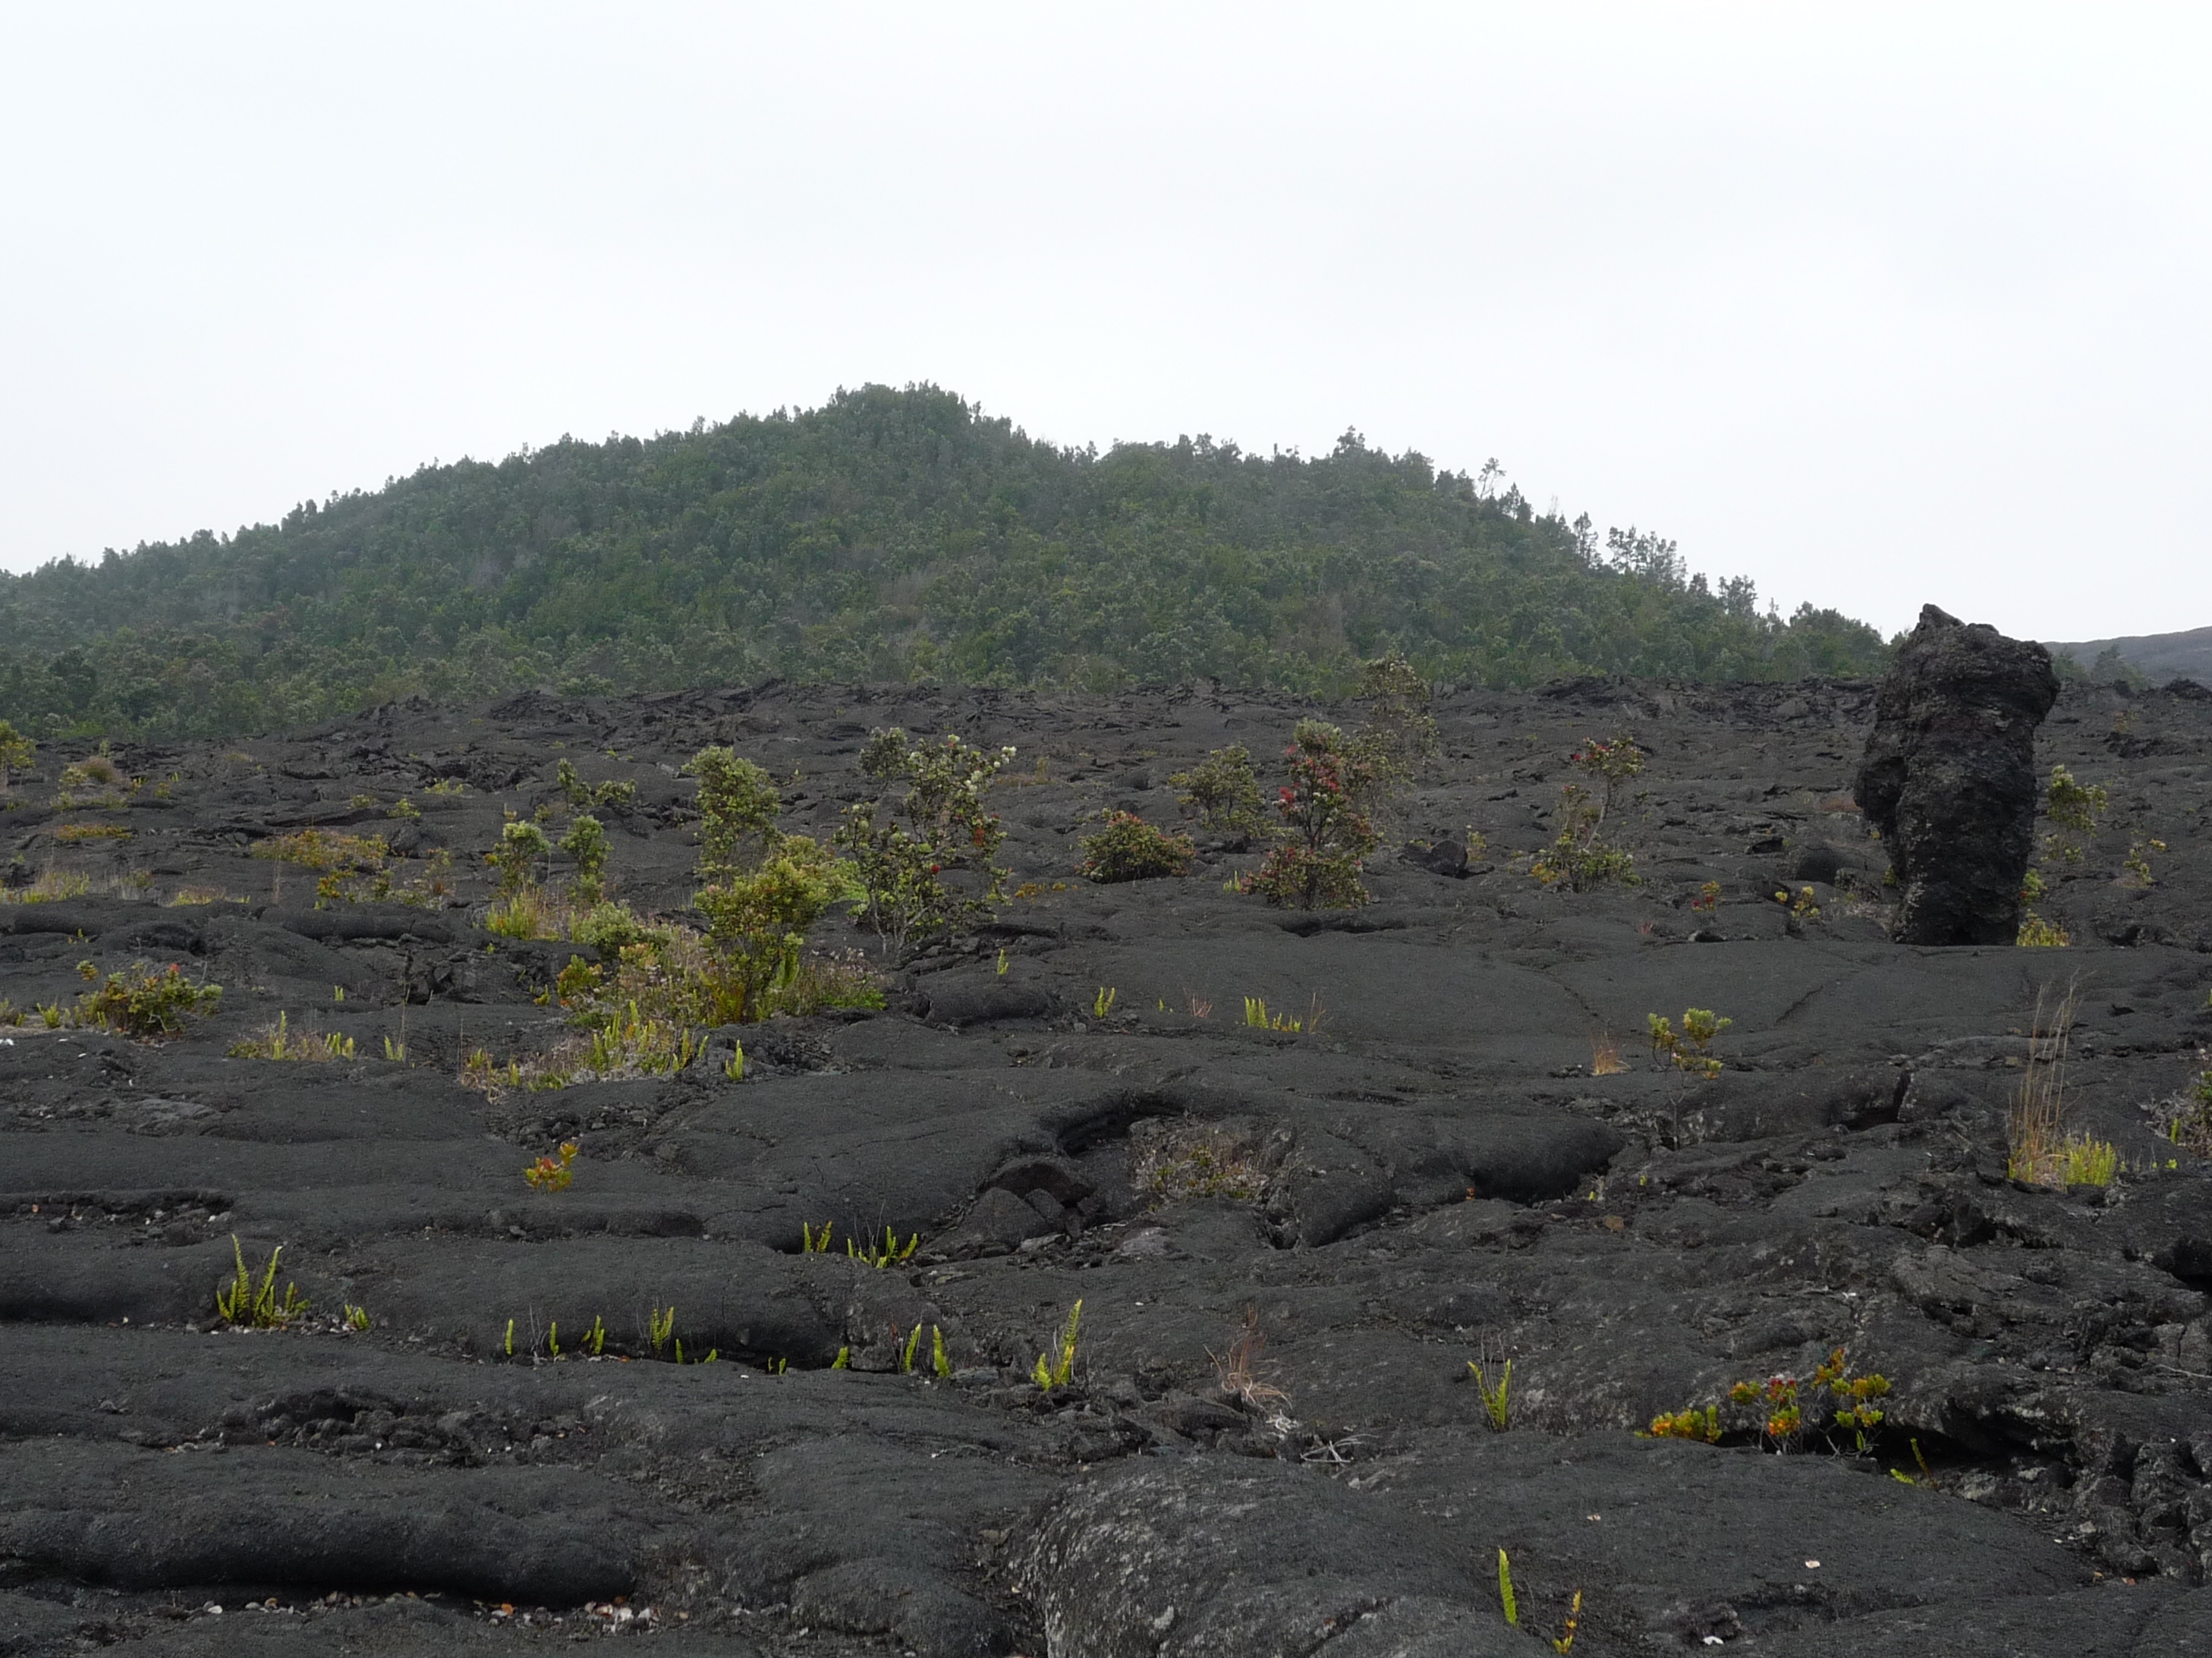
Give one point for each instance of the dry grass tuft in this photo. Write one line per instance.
(2035, 1122)
(1238, 1370)
(52, 886)
(1605, 1055)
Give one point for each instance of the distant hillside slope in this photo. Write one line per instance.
(886, 535)
(2156, 656)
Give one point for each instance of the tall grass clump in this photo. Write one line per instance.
(2038, 1148)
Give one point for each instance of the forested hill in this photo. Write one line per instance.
(887, 535)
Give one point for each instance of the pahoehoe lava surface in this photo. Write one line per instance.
(1429, 1174)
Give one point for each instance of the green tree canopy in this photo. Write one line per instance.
(890, 534)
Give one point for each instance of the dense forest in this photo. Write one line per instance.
(888, 535)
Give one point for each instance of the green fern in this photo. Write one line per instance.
(1051, 1373)
(258, 1307)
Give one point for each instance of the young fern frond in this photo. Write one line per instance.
(1051, 1372)
(1495, 1402)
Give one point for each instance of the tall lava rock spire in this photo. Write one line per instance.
(1949, 777)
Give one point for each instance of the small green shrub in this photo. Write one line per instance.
(16, 753)
(1130, 849)
(1326, 831)
(739, 806)
(901, 855)
(757, 919)
(586, 843)
(1400, 733)
(2076, 809)
(1831, 1397)
(762, 889)
(2137, 862)
(527, 909)
(1703, 1427)
(1579, 857)
(1224, 791)
(1786, 1410)
(553, 1173)
(1690, 1048)
(144, 1001)
(523, 848)
(607, 926)
(580, 794)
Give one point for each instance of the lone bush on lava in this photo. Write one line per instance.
(17, 751)
(1400, 735)
(1130, 849)
(922, 868)
(1327, 830)
(761, 890)
(1580, 857)
(1787, 1410)
(555, 1172)
(2076, 809)
(1226, 794)
(1690, 1048)
(144, 1001)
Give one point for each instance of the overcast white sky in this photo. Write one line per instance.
(1877, 305)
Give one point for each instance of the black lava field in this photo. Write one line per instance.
(1293, 1247)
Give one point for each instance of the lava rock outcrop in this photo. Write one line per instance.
(1949, 777)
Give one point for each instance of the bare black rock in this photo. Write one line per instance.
(1433, 1169)
(1949, 777)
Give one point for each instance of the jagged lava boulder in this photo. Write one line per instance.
(1949, 777)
